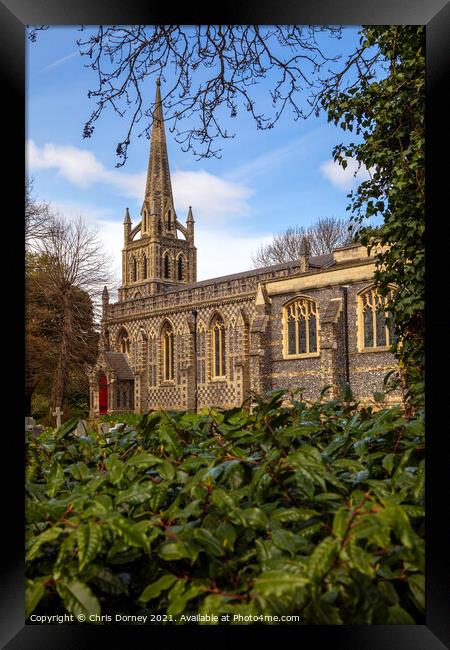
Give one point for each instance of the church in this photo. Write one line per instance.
(171, 342)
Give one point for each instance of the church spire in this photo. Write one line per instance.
(158, 190)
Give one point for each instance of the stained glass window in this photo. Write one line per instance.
(218, 347)
(168, 353)
(377, 322)
(301, 327)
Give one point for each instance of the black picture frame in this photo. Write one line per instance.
(14, 16)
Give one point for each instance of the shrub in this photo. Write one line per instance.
(313, 509)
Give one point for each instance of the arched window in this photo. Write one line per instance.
(180, 268)
(133, 269)
(169, 220)
(300, 327)
(167, 344)
(376, 323)
(218, 347)
(144, 267)
(166, 266)
(124, 342)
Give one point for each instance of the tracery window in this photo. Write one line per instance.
(167, 344)
(377, 325)
(218, 347)
(301, 325)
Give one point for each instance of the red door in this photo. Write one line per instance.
(103, 394)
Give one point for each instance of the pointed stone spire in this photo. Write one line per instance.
(126, 226)
(190, 224)
(304, 254)
(158, 188)
(105, 300)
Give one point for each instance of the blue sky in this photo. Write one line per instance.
(264, 182)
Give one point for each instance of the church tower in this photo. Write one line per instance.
(155, 257)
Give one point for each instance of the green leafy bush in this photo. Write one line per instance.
(313, 509)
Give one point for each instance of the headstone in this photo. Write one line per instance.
(37, 430)
(30, 423)
(81, 429)
(103, 427)
(57, 413)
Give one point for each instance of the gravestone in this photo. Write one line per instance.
(81, 429)
(30, 423)
(103, 427)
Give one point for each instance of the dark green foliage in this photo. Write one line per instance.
(385, 108)
(314, 509)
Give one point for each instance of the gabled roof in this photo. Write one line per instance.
(119, 363)
(315, 262)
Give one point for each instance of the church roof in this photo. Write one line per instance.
(119, 363)
(315, 262)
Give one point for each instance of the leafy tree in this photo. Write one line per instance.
(326, 234)
(384, 106)
(44, 325)
(72, 261)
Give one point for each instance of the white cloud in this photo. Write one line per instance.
(223, 252)
(212, 198)
(344, 179)
(81, 168)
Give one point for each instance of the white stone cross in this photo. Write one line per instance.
(57, 412)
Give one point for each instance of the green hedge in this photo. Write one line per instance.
(314, 510)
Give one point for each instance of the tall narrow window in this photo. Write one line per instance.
(169, 220)
(301, 327)
(376, 321)
(166, 266)
(133, 269)
(180, 267)
(144, 267)
(124, 341)
(218, 347)
(168, 353)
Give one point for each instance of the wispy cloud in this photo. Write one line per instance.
(344, 179)
(213, 199)
(273, 159)
(59, 62)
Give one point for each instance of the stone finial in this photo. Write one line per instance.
(190, 217)
(304, 254)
